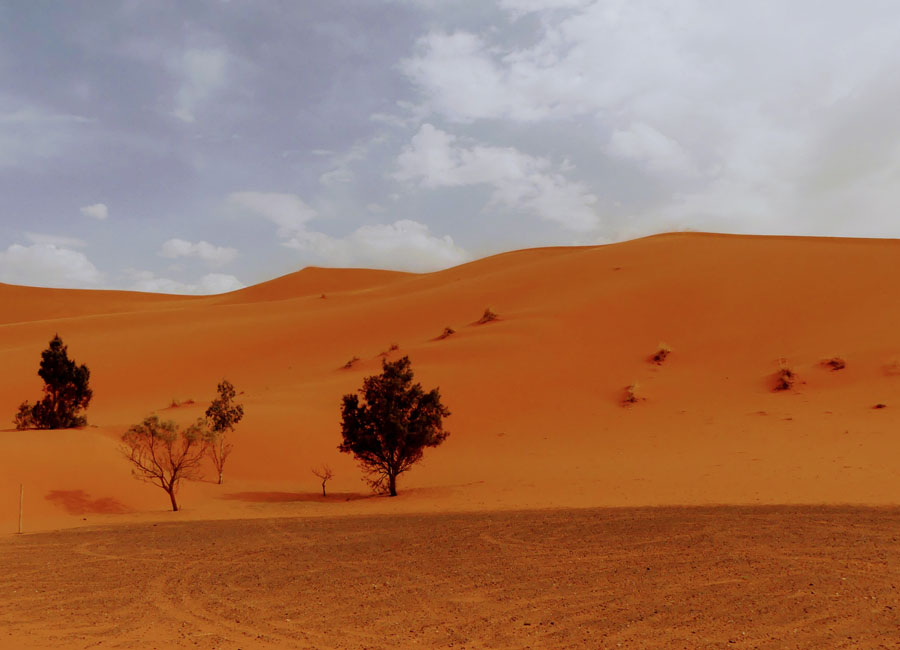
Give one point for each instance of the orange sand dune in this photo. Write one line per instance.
(535, 396)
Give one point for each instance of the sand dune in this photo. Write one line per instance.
(537, 420)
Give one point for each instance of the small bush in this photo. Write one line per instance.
(880, 406)
(631, 395)
(835, 363)
(448, 331)
(351, 363)
(785, 377)
(661, 354)
(487, 316)
(24, 417)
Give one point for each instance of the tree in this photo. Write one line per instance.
(324, 472)
(389, 432)
(66, 392)
(163, 454)
(221, 416)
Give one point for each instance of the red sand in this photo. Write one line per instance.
(535, 396)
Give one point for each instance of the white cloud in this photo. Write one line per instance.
(745, 117)
(213, 255)
(60, 241)
(404, 245)
(288, 212)
(97, 211)
(47, 265)
(211, 283)
(644, 144)
(202, 72)
(30, 135)
(435, 158)
(341, 171)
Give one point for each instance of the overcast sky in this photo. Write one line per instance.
(197, 147)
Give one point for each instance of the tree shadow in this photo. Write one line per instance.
(294, 497)
(79, 502)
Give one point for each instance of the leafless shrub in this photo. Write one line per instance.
(351, 363)
(448, 331)
(631, 395)
(324, 473)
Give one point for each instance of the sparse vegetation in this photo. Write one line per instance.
(487, 316)
(390, 430)
(880, 406)
(352, 362)
(661, 354)
(222, 415)
(448, 331)
(324, 473)
(66, 392)
(631, 395)
(164, 454)
(785, 377)
(835, 363)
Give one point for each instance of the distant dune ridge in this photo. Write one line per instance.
(536, 397)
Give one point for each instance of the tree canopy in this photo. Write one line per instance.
(389, 430)
(222, 415)
(66, 392)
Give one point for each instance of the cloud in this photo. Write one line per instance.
(435, 158)
(341, 171)
(659, 153)
(211, 283)
(404, 245)
(97, 211)
(30, 135)
(59, 241)
(522, 7)
(202, 72)
(288, 212)
(213, 255)
(47, 265)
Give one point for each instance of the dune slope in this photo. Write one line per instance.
(536, 396)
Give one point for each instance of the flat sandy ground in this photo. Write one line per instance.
(718, 577)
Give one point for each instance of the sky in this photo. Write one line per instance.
(201, 147)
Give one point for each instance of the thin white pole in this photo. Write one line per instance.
(21, 505)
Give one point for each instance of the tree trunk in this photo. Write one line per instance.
(221, 479)
(172, 497)
(392, 484)
(323, 488)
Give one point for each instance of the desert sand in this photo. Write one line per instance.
(536, 396)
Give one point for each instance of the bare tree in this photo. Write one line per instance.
(163, 454)
(324, 472)
(222, 415)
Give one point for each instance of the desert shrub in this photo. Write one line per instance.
(389, 431)
(325, 474)
(880, 406)
(24, 417)
(221, 416)
(448, 331)
(785, 377)
(66, 392)
(835, 363)
(487, 316)
(630, 395)
(352, 362)
(163, 454)
(661, 354)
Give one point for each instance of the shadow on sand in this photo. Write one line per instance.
(79, 502)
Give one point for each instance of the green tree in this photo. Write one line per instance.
(66, 392)
(222, 415)
(164, 454)
(389, 432)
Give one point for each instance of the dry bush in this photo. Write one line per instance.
(324, 473)
(835, 363)
(351, 363)
(880, 406)
(785, 377)
(661, 354)
(448, 331)
(487, 316)
(631, 394)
